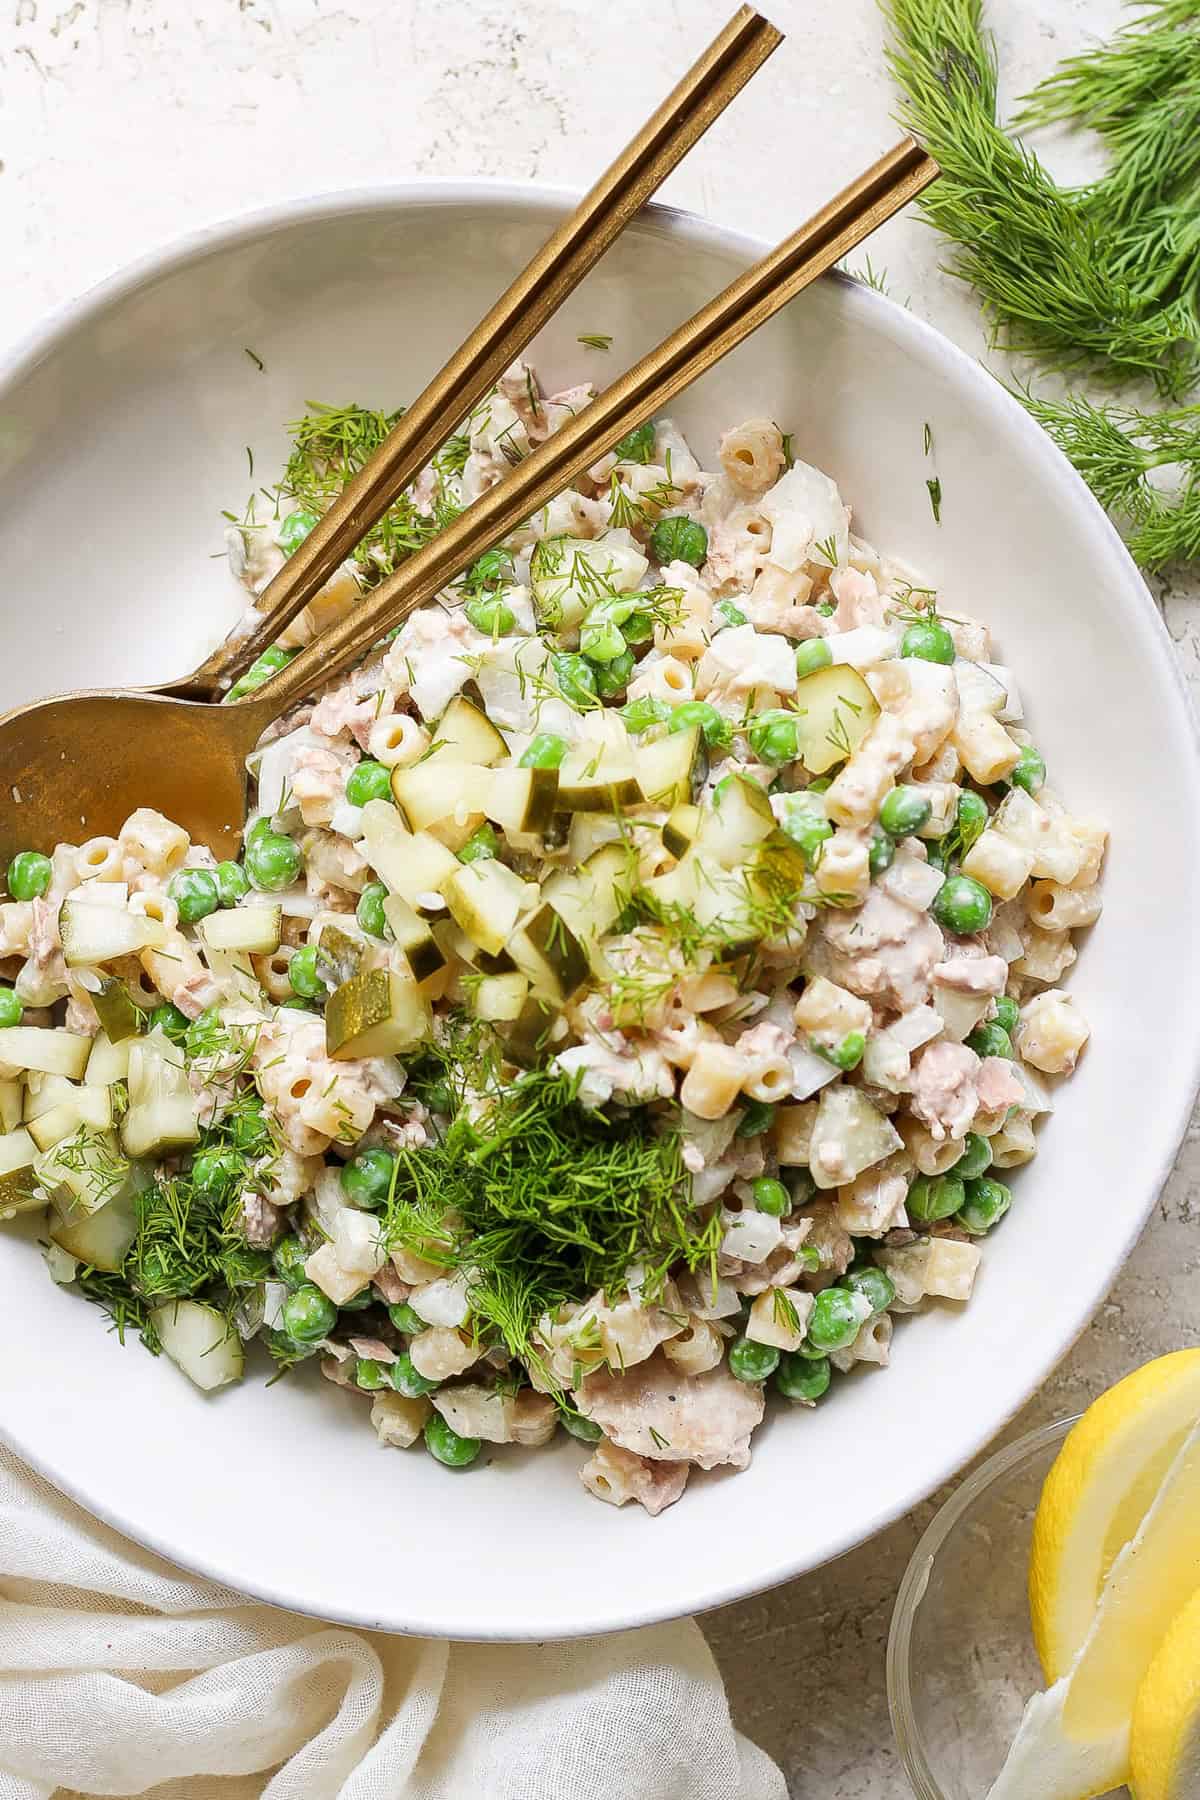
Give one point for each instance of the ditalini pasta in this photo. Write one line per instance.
(638, 979)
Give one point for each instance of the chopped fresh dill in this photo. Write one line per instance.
(594, 340)
(927, 437)
(827, 547)
(934, 486)
(257, 360)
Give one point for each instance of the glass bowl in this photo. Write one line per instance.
(961, 1662)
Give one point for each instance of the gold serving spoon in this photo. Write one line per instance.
(125, 750)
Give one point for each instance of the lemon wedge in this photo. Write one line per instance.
(1074, 1740)
(1164, 1750)
(1097, 1494)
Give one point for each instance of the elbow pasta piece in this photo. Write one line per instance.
(929, 710)
(1014, 1143)
(272, 972)
(943, 765)
(1057, 908)
(779, 1317)
(1046, 955)
(853, 796)
(708, 992)
(988, 753)
(154, 841)
(687, 635)
(699, 1348)
(100, 859)
(714, 1081)
(826, 1010)
(1092, 839)
(1002, 866)
(663, 678)
(932, 1156)
(872, 1345)
(791, 1134)
(752, 455)
(770, 1079)
(943, 801)
(844, 867)
(397, 741)
(1057, 855)
(1051, 1032)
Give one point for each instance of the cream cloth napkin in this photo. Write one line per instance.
(122, 1675)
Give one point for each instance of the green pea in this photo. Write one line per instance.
(1030, 770)
(715, 729)
(368, 781)
(169, 1020)
(929, 641)
(934, 1197)
(545, 751)
(677, 538)
(289, 1257)
(195, 894)
(600, 640)
(803, 820)
(11, 1007)
(729, 614)
(750, 1361)
(370, 1374)
(586, 1430)
(986, 1203)
(260, 671)
(262, 827)
(641, 714)
(369, 911)
(804, 1188)
(232, 883)
(637, 446)
(835, 1320)
(758, 1116)
(576, 679)
(304, 973)
(638, 627)
(962, 905)
(875, 1285)
(491, 615)
(367, 1177)
(771, 1197)
(294, 529)
(825, 608)
(29, 875)
(406, 1319)
(215, 1170)
(881, 853)
(812, 655)
(612, 678)
(443, 1442)
(407, 1381)
(991, 1039)
(307, 1315)
(975, 1159)
(803, 1377)
(970, 816)
(248, 1126)
(489, 570)
(904, 811)
(482, 846)
(273, 862)
(847, 1054)
(1008, 1013)
(775, 736)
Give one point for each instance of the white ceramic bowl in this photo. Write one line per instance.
(123, 432)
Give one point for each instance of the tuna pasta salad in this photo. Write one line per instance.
(640, 981)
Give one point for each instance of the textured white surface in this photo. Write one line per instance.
(124, 122)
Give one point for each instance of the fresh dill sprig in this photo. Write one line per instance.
(595, 340)
(934, 487)
(1116, 450)
(1104, 276)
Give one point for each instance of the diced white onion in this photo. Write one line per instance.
(810, 1072)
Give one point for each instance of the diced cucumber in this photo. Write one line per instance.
(679, 832)
(200, 1342)
(12, 1101)
(598, 778)
(527, 1041)
(18, 1186)
(375, 1013)
(567, 574)
(550, 954)
(486, 899)
(93, 934)
(119, 1017)
(426, 958)
(467, 735)
(592, 898)
(42, 1048)
(162, 1113)
(89, 1107)
(445, 797)
(101, 1239)
(409, 864)
(108, 1062)
(85, 1171)
(670, 769)
(44, 1092)
(500, 998)
(256, 929)
(835, 710)
(731, 826)
(522, 800)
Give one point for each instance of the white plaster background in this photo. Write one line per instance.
(126, 122)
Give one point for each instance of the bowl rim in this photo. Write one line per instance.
(916, 1581)
(544, 200)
